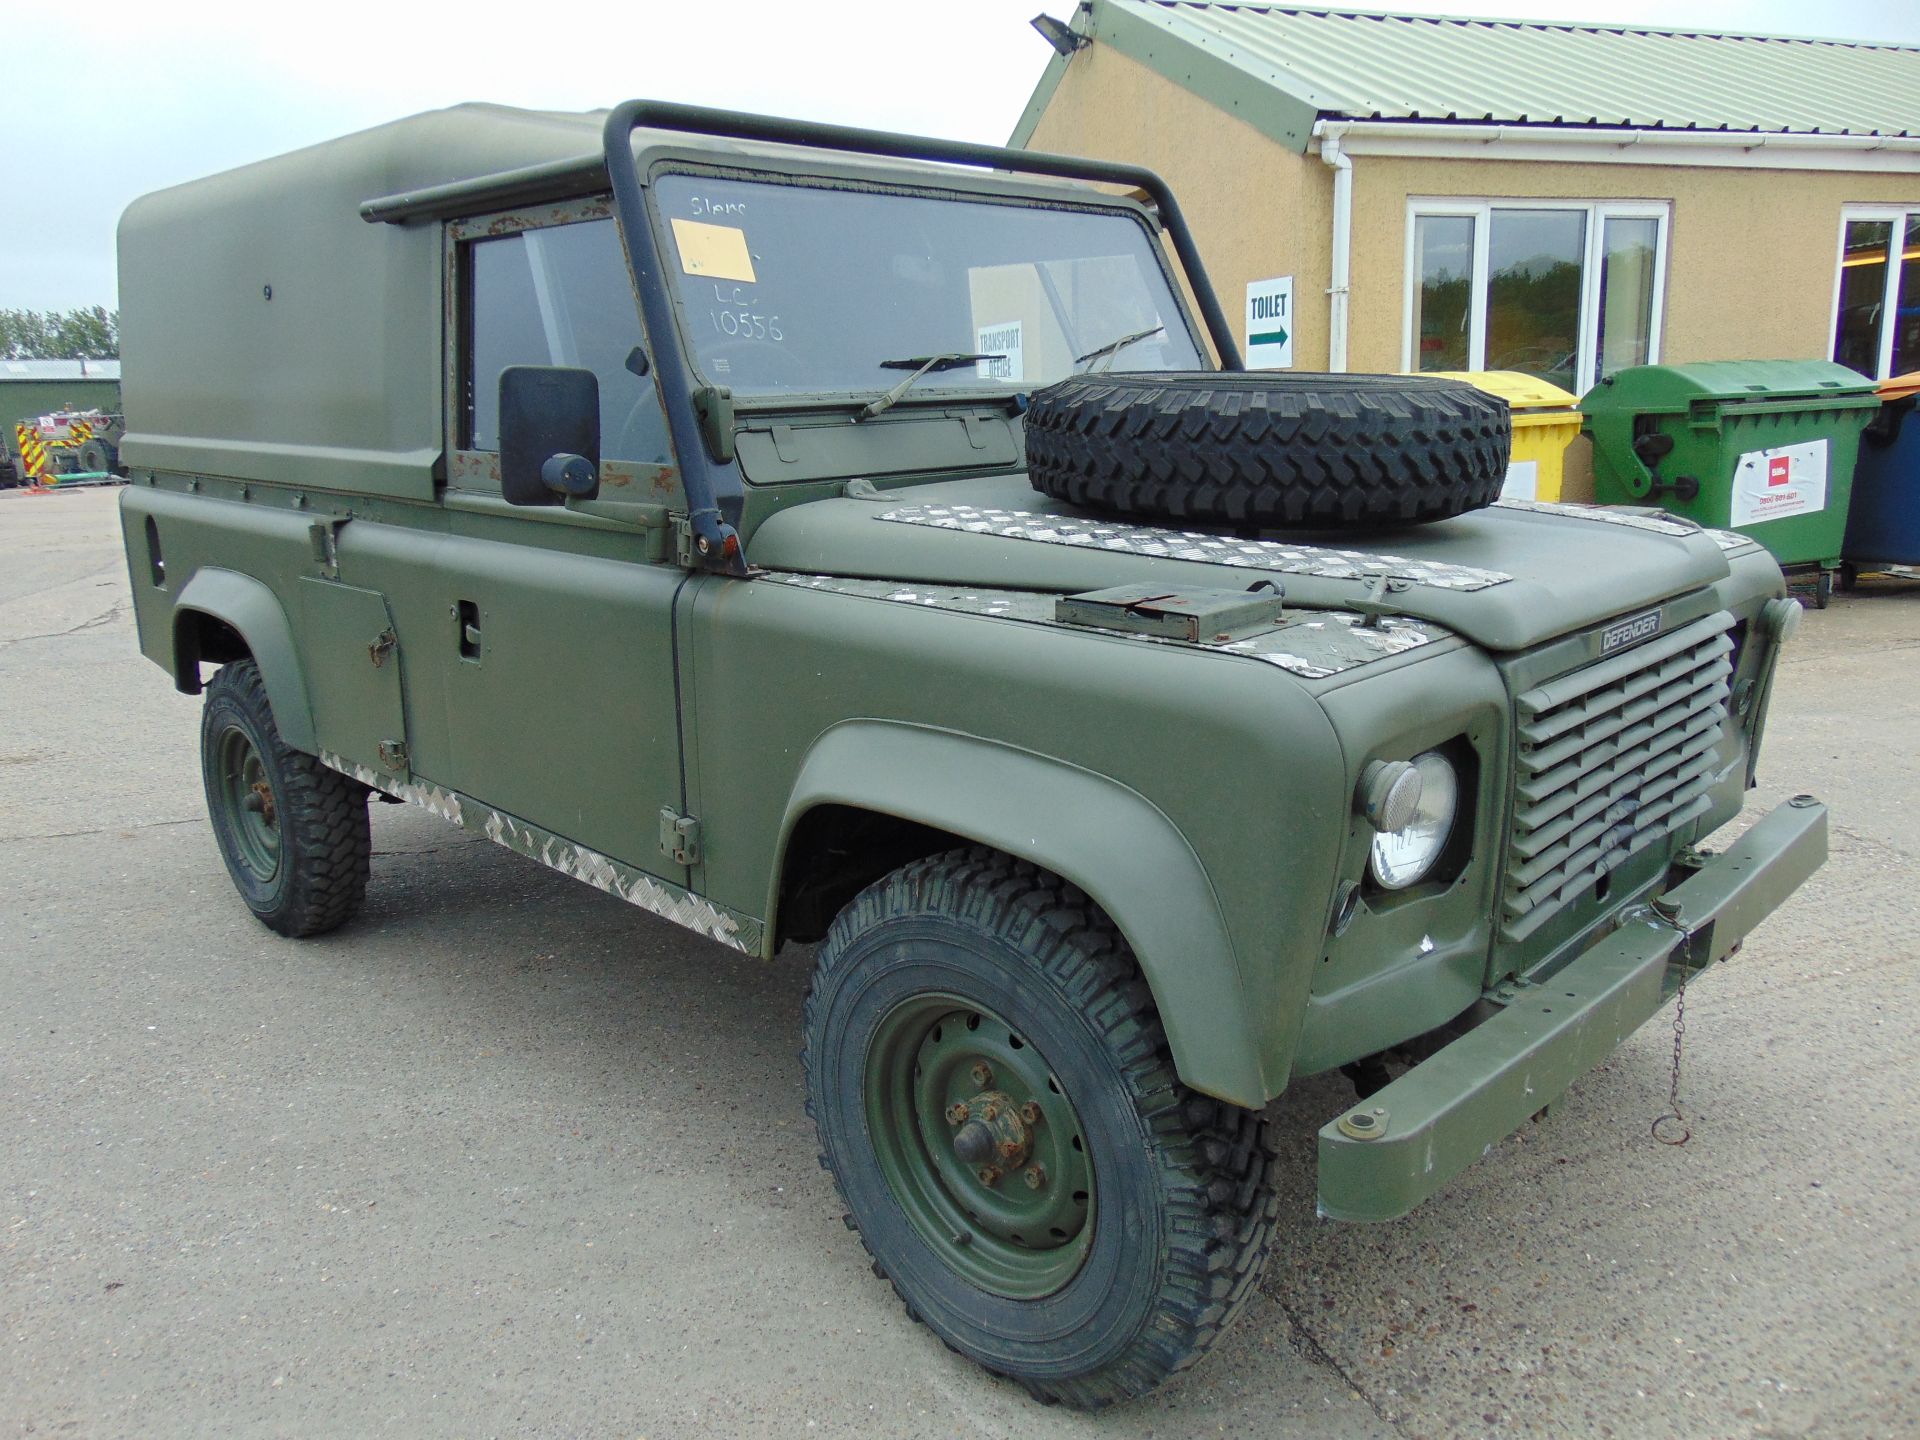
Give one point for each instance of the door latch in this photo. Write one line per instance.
(381, 647)
(324, 536)
(679, 837)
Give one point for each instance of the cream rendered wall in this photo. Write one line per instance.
(1751, 254)
(1257, 209)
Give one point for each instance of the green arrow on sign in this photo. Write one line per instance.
(1267, 337)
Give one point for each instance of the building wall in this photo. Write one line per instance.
(1751, 254)
(1257, 209)
(21, 399)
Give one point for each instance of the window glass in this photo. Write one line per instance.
(1564, 290)
(1906, 314)
(1443, 308)
(1534, 264)
(1042, 317)
(1629, 250)
(799, 289)
(1863, 294)
(561, 296)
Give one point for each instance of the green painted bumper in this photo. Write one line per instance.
(1447, 1112)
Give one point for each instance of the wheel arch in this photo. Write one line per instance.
(1104, 837)
(217, 602)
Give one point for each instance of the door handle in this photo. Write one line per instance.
(466, 616)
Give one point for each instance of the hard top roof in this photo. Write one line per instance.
(473, 141)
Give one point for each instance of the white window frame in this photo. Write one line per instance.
(1889, 298)
(1597, 212)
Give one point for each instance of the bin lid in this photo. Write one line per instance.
(1900, 386)
(1521, 391)
(1669, 388)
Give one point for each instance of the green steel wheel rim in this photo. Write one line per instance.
(980, 1145)
(252, 808)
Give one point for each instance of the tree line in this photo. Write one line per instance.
(92, 333)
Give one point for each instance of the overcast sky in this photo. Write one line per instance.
(143, 95)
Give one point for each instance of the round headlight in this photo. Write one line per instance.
(1403, 856)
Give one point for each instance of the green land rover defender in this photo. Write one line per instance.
(825, 536)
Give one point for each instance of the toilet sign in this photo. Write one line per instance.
(1269, 317)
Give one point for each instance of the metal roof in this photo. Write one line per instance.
(1367, 65)
(59, 370)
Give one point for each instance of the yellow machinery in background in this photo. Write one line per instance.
(67, 447)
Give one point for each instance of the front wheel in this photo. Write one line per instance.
(293, 833)
(996, 1101)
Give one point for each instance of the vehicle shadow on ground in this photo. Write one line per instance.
(1497, 1298)
(601, 994)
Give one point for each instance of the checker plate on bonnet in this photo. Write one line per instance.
(1273, 556)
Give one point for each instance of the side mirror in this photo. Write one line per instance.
(549, 434)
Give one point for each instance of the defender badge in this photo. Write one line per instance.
(1630, 632)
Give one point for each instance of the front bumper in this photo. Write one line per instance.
(1401, 1144)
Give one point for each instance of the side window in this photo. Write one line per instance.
(560, 296)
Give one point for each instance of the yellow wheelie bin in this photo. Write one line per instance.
(1544, 425)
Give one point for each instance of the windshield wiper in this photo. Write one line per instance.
(920, 365)
(1114, 347)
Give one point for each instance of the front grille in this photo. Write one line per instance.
(1610, 759)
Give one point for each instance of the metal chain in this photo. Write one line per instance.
(1672, 1128)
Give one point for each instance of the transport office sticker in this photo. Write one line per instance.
(1006, 342)
(1775, 484)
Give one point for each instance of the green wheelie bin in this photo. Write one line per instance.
(1765, 447)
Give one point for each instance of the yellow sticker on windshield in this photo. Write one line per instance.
(719, 251)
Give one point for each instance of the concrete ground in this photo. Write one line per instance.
(508, 1157)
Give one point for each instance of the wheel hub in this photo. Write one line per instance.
(253, 812)
(993, 1133)
(981, 1146)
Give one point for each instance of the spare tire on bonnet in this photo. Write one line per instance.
(1260, 448)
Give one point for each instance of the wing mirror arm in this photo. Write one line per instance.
(570, 476)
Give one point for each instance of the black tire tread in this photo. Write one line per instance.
(99, 450)
(1263, 449)
(1217, 1159)
(326, 838)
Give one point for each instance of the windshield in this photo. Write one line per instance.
(796, 289)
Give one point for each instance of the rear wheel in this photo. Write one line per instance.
(293, 833)
(996, 1101)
